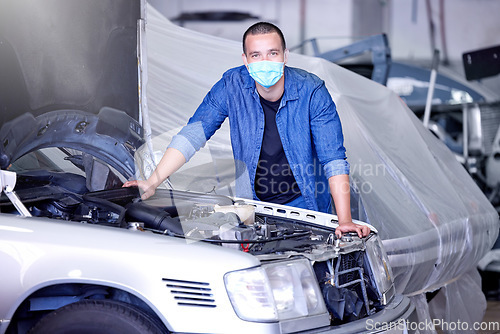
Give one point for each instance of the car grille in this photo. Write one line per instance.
(190, 293)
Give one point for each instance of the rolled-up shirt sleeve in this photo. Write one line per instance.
(183, 145)
(336, 167)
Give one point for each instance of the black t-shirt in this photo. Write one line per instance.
(274, 180)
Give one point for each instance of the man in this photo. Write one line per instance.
(283, 125)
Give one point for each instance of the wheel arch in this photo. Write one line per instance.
(48, 297)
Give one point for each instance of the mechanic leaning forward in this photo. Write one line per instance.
(280, 131)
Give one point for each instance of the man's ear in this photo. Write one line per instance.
(244, 57)
(286, 56)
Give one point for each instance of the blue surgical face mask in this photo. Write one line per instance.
(266, 73)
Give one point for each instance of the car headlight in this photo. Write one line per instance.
(381, 270)
(275, 291)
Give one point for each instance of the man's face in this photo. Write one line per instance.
(264, 47)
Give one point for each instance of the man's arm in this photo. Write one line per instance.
(340, 191)
(171, 161)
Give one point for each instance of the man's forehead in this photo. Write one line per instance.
(258, 40)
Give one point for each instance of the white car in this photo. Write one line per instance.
(79, 253)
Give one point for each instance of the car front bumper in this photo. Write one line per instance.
(393, 319)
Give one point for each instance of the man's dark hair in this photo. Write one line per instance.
(261, 28)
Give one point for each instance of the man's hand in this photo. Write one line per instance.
(361, 230)
(340, 190)
(171, 161)
(146, 189)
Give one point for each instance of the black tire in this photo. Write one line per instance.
(97, 317)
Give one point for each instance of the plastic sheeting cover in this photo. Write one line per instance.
(435, 222)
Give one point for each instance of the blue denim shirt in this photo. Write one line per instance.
(307, 122)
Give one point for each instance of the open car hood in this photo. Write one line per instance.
(111, 136)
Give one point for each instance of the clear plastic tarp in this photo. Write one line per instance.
(435, 222)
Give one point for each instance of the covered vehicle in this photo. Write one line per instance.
(465, 115)
(191, 259)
